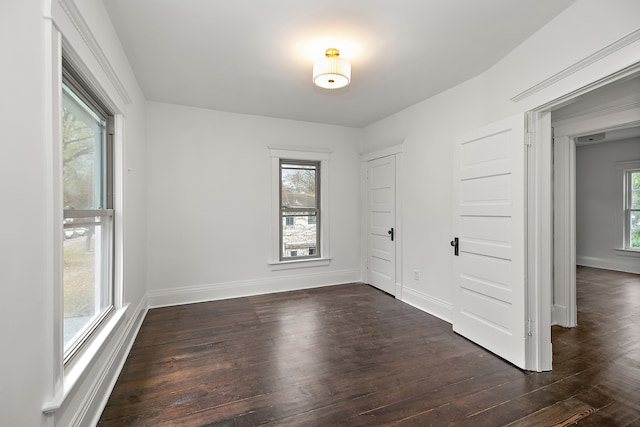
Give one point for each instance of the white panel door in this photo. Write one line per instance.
(489, 221)
(381, 206)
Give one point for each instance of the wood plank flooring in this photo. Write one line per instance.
(351, 355)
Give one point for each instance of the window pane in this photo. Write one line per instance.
(634, 228)
(299, 237)
(298, 185)
(635, 190)
(88, 236)
(86, 275)
(83, 146)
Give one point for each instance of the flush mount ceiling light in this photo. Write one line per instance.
(331, 72)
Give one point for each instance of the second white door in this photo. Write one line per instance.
(381, 211)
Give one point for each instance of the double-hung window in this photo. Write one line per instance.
(299, 209)
(632, 209)
(88, 220)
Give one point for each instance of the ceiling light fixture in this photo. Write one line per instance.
(331, 72)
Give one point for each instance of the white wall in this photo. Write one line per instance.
(425, 130)
(30, 371)
(561, 49)
(22, 251)
(209, 208)
(598, 190)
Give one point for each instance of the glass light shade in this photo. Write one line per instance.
(331, 73)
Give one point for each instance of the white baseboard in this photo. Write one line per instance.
(218, 291)
(95, 402)
(434, 306)
(628, 264)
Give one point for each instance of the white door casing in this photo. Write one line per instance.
(564, 311)
(488, 276)
(381, 223)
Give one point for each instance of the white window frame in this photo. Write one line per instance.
(292, 154)
(624, 170)
(627, 206)
(105, 211)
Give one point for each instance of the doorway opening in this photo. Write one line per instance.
(551, 247)
(595, 139)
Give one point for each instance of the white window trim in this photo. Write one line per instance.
(78, 368)
(623, 223)
(66, 378)
(311, 154)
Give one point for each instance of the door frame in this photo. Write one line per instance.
(603, 119)
(540, 218)
(564, 311)
(364, 243)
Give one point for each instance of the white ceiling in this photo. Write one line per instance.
(256, 56)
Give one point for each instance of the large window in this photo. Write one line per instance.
(87, 171)
(632, 209)
(299, 209)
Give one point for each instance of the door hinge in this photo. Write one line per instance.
(529, 330)
(528, 140)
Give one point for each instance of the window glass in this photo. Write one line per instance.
(88, 223)
(635, 190)
(299, 203)
(83, 134)
(298, 185)
(634, 210)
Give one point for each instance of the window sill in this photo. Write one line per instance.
(627, 252)
(78, 369)
(301, 263)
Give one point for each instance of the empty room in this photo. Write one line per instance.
(283, 212)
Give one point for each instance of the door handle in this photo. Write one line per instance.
(455, 243)
(390, 233)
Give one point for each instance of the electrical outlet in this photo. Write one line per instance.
(416, 275)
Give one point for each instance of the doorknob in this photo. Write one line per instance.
(390, 233)
(455, 243)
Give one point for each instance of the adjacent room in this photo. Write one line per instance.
(346, 213)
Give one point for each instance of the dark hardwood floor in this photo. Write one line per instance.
(352, 355)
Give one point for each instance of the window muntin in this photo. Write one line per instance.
(632, 209)
(299, 201)
(87, 172)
